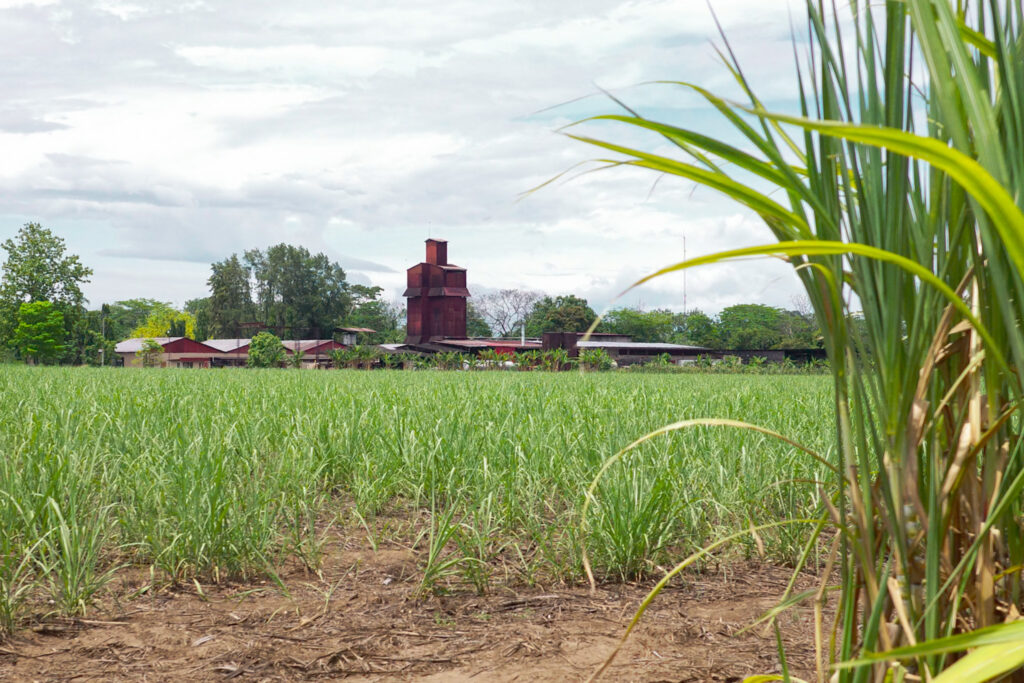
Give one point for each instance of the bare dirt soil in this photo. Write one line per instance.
(363, 620)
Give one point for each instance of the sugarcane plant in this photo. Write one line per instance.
(897, 189)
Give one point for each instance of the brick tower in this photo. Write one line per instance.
(436, 294)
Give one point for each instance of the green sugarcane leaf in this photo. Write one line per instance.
(984, 664)
(725, 151)
(1009, 636)
(1007, 217)
(719, 181)
(978, 40)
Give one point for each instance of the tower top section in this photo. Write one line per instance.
(437, 252)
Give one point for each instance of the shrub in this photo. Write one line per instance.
(266, 351)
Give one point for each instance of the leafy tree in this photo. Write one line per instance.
(165, 321)
(39, 335)
(750, 326)
(476, 325)
(230, 301)
(302, 293)
(505, 310)
(696, 328)
(369, 310)
(799, 331)
(265, 351)
(37, 269)
(91, 341)
(560, 314)
(200, 310)
(120, 318)
(649, 326)
(150, 353)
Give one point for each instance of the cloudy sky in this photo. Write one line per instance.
(157, 137)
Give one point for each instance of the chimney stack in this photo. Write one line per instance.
(437, 252)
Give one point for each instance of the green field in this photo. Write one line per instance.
(233, 473)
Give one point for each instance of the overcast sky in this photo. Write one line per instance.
(157, 137)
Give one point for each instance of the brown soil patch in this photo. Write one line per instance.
(363, 621)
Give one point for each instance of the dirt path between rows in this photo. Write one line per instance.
(361, 621)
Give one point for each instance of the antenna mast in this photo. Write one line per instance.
(684, 275)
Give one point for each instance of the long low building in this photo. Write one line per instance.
(233, 352)
(631, 353)
(182, 352)
(176, 352)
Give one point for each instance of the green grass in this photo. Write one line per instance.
(230, 473)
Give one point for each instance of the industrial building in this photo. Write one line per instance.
(182, 352)
(436, 322)
(436, 294)
(178, 352)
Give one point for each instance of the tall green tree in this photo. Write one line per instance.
(567, 313)
(298, 293)
(750, 326)
(798, 330)
(371, 311)
(697, 328)
(199, 309)
(39, 335)
(37, 268)
(120, 318)
(641, 326)
(476, 325)
(231, 302)
(92, 340)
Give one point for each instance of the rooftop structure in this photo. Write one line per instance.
(230, 345)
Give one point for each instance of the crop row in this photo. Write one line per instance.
(230, 474)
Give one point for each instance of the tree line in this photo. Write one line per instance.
(294, 293)
(509, 312)
(285, 289)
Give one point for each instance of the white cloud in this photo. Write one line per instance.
(360, 129)
(12, 4)
(311, 61)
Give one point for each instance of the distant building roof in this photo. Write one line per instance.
(304, 345)
(135, 345)
(654, 346)
(490, 343)
(366, 330)
(227, 345)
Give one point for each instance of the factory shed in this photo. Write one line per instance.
(350, 335)
(630, 352)
(621, 348)
(233, 352)
(473, 346)
(315, 352)
(178, 352)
